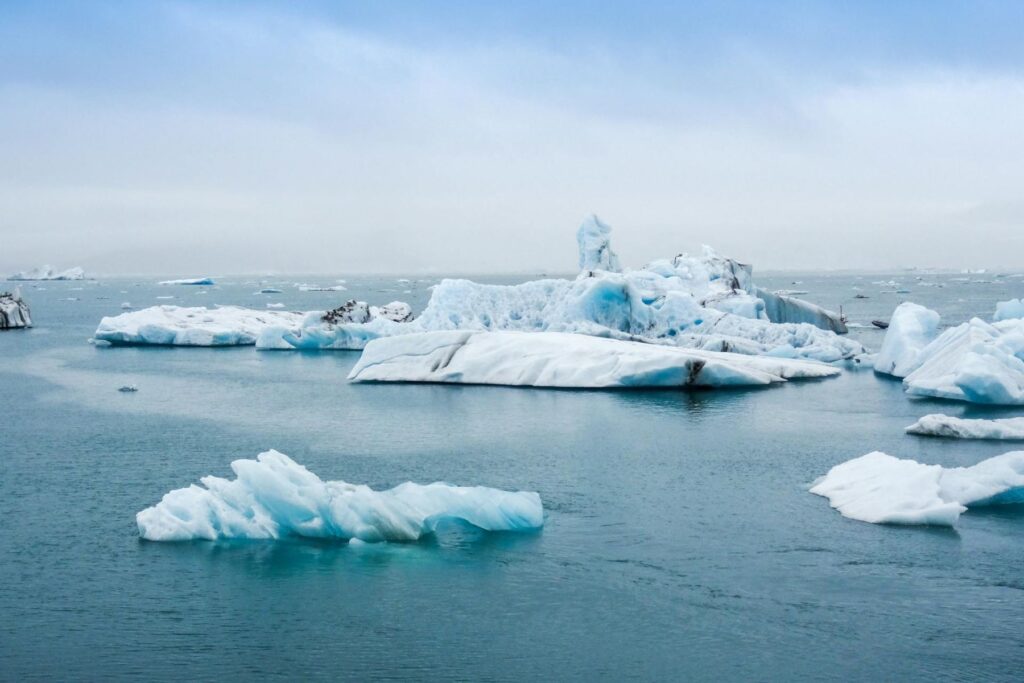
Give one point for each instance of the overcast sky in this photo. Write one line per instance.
(166, 137)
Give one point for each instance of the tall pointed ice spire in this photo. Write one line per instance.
(594, 239)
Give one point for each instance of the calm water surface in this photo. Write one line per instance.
(680, 540)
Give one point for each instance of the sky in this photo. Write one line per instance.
(467, 137)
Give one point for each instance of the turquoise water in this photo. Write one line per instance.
(680, 541)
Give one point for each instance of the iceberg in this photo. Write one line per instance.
(881, 489)
(1009, 310)
(49, 273)
(274, 497)
(553, 359)
(704, 302)
(911, 328)
(594, 240)
(192, 326)
(14, 313)
(976, 361)
(1010, 428)
(189, 281)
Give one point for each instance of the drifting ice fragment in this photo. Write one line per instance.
(911, 328)
(1009, 310)
(14, 313)
(959, 428)
(274, 497)
(187, 281)
(881, 489)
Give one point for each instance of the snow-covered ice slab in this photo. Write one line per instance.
(1011, 428)
(911, 328)
(553, 359)
(274, 497)
(14, 313)
(193, 326)
(49, 273)
(881, 489)
(190, 281)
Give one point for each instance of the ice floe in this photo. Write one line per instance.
(881, 489)
(49, 273)
(192, 326)
(274, 497)
(14, 313)
(1010, 428)
(189, 281)
(553, 359)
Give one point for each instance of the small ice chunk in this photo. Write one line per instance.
(911, 328)
(1009, 310)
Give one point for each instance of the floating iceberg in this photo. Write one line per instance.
(881, 489)
(197, 326)
(50, 273)
(274, 497)
(977, 361)
(552, 359)
(187, 281)
(911, 328)
(1009, 310)
(705, 302)
(958, 428)
(14, 313)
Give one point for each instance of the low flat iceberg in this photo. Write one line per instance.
(1011, 428)
(881, 489)
(274, 497)
(192, 326)
(14, 313)
(49, 273)
(976, 361)
(553, 359)
(189, 281)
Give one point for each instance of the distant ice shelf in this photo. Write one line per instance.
(274, 497)
(1010, 428)
(881, 489)
(49, 273)
(189, 281)
(553, 359)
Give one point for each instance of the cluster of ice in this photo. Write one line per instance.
(1009, 310)
(189, 281)
(14, 313)
(192, 326)
(553, 359)
(49, 273)
(1006, 429)
(350, 326)
(977, 361)
(274, 497)
(881, 489)
(705, 302)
